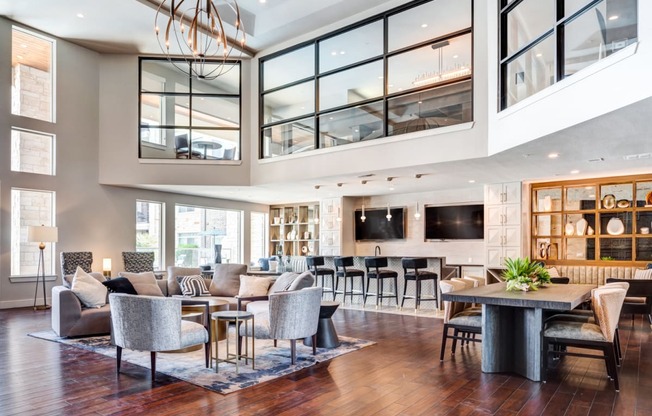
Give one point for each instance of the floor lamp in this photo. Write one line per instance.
(41, 234)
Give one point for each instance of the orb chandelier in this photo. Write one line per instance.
(194, 31)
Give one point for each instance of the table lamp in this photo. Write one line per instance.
(41, 234)
(106, 267)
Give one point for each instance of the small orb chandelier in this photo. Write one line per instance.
(198, 32)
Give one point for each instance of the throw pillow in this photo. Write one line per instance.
(282, 282)
(193, 286)
(120, 285)
(302, 281)
(226, 279)
(553, 272)
(144, 283)
(643, 274)
(88, 289)
(253, 286)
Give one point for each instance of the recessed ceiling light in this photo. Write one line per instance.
(80, 15)
(614, 17)
(342, 52)
(262, 1)
(471, 180)
(553, 155)
(574, 172)
(419, 102)
(391, 188)
(425, 25)
(19, 56)
(23, 45)
(539, 55)
(455, 56)
(334, 53)
(380, 77)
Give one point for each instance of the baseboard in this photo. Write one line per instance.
(22, 303)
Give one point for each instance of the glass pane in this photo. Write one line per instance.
(579, 225)
(157, 143)
(364, 122)
(350, 86)
(572, 6)
(438, 107)
(258, 237)
(547, 225)
(148, 229)
(580, 198)
(162, 76)
(227, 83)
(643, 249)
(430, 65)
(528, 21)
(215, 111)
(599, 32)
(353, 46)
(216, 144)
(531, 72)
(547, 200)
(615, 249)
(32, 152)
(31, 67)
(580, 248)
(616, 196)
(275, 70)
(162, 110)
(617, 223)
(285, 139)
(644, 222)
(644, 194)
(547, 249)
(430, 20)
(289, 102)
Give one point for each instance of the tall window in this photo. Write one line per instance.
(149, 230)
(259, 226)
(545, 41)
(32, 152)
(32, 92)
(409, 69)
(188, 118)
(206, 235)
(30, 208)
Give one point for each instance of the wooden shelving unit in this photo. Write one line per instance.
(294, 229)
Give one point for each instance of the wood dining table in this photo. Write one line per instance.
(512, 323)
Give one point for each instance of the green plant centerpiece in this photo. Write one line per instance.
(524, 274)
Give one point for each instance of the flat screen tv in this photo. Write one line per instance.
(455, 222)
(376, 226)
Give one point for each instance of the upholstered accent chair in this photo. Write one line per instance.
(600, 334)
(465, 321)
(71, 259)
(291, 315)
(138, 262)
(153, 323)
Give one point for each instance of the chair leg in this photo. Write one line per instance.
(314, 344)
(364, 298)
(396, 291)
(544, 359)
(380, 287)
(275, 342)
(207, 352)
(456, 333)
(335, 287)
(444, 337)
(118, 356)
(619, 353)
(152, 356)
(613, 366)
(404, 292)
(293, 350)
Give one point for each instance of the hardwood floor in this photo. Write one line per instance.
(401, 375)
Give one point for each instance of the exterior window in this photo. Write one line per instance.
(544, 41)
(30, 208)
(188, 118)
(362, 88)
(205, 236)
(32, 152)
(259, 225)
(32, 63)
(149, 230)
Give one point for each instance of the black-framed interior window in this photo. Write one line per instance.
(182, 117)
(405, 70)
(545, 41)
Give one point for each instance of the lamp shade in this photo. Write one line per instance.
(106, 264)
(42, 234)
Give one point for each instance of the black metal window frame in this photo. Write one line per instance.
(557, 30)
(385, 56)
(190, 94)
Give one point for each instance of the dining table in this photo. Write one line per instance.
(512, 322)
(205, 145)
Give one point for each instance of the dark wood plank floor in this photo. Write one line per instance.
(401, 375)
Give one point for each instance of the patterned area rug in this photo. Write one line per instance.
(271, 363)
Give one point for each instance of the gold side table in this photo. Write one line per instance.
(238, 318)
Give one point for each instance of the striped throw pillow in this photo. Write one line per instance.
(193, 286)
(643, 274)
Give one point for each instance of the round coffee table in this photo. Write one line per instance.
(326, 334)
(214, 305)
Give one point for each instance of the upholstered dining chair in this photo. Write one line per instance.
(138, 262)
(458, 316)
(292, 315)
(639, 297)
(153, 323)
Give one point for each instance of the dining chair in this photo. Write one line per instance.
(638, 299)
(459, 317)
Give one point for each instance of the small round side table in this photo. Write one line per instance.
(237, 317)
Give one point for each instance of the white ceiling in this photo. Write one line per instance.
(126, 26)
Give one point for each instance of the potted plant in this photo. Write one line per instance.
(524, 274)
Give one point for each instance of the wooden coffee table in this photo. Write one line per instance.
(214, 305)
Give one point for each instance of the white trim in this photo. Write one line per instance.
(190, 162)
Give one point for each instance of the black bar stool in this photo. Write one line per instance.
(418, 276)
(314, 263)
(374, 271)
(344, 269)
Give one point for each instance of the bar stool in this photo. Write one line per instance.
(313, 263)
(344, 269)
(374, 271)
(418, 276)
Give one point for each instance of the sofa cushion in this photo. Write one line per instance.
(193, 285)
(643, 274)
(302, 281)
(258, 307)
(144, 283)
(253, 286)
(174, 272)
(226, 279)
(89, 290)
(120, 285)
(282, 282)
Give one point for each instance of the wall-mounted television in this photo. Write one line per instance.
(455, 222)
(376, 226)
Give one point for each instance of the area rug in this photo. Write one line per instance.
(271, 362)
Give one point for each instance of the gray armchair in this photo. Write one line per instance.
(152, 323)
(292, 315)
(138, 262)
